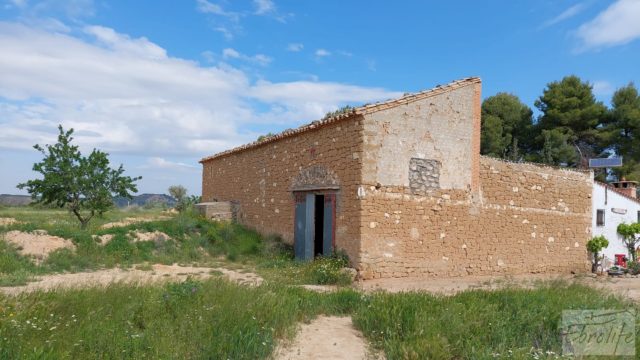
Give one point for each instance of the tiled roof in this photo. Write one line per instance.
(362, 110)
(636, 200)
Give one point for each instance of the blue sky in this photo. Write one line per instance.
(160, 84)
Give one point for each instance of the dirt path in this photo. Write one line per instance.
(327, 337)
(627, 287)
(159, 273)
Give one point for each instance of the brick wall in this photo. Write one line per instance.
(525, 219)
(260, 179)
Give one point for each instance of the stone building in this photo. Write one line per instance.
(400, 186)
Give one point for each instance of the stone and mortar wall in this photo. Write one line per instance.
(260, 179)
(524, 219)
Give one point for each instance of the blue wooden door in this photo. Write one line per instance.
(304, 226)
(329, 223)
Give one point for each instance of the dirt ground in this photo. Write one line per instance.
(132, 220)
(158, 273)
(7, 221)
(37, 243)
(326, 337)
(628, 287)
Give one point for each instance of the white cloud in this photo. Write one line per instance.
(127, 95)
(207, 7)
(565, 15)
(295, 47)
(322, 53)
(264, 6)
(616, 25)
(259, 59)
(602, 88)
(162, 163)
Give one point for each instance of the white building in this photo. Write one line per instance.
(614, 204)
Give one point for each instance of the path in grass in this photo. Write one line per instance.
(326, 337)
(155, 273)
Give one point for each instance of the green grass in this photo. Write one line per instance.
(217, 319)
(191, 320)
(479, 324)
(193, 241)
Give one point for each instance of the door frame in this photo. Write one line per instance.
(331, 199)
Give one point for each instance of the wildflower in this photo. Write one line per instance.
(53, 328)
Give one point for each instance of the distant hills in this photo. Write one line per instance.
(14, 200)
(139, 200)
(144, 199)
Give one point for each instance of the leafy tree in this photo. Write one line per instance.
(622, 131)
(569, 107)
(84, 185)
(506, 127)
(631, 238)
(178, 192)
(556, 148)
(594, 246)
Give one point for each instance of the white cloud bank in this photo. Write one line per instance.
(616, 25)
(127, 95)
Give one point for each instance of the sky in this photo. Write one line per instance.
(161, 84)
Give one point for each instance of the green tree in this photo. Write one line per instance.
(631, 238)
(622, 131)
(506, 127)
(178, 192)
(569, 107)
(594, 246)
(556, 148)
(84, 185)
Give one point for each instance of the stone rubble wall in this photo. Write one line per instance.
(525, 219)
(260, 180)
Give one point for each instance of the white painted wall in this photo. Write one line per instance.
(611, 219)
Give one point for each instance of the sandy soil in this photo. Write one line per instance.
(327, 337)
(628, 287)
(132, 220)
(37, 243)
(8, 221)
(159, 273)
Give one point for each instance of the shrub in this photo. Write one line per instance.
(595, 245)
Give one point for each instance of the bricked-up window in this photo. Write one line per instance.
(600, 217)
(424, 175)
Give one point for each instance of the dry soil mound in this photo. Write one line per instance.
(8, 221)
(132, 220)
(38, 243)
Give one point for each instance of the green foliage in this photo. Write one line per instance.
(597, 243)
(506, 127)
(622, 131)
(177, 192)
(631, 238)
(556, 148)
(84, 185)
(514, 323)
(266, 136)
(570, 109)
(217, 319)
(343, 110)
(328, 271)
(594, 246)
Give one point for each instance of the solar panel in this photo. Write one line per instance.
(605, 162)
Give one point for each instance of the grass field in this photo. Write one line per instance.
(218, 319)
